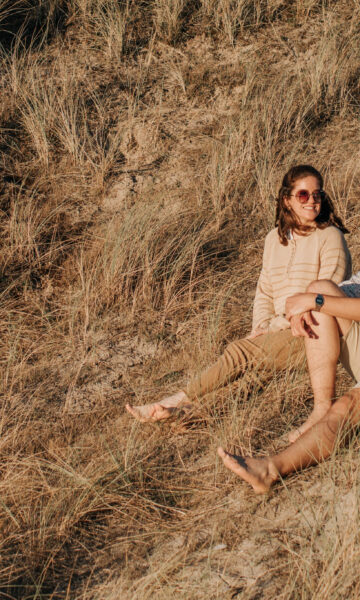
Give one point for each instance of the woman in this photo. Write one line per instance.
(306, 244)
(337, 330)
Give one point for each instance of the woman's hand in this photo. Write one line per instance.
(301, 325)
(299, 304)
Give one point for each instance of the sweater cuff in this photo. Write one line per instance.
(279, 323)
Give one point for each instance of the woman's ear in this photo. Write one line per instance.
(286, 202)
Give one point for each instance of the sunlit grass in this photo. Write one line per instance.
(142, 147)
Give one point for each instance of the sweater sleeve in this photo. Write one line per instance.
(335, 259)
(263, 310)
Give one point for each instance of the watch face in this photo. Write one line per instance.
(319, 300)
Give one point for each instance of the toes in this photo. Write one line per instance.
(221, 452)
(228, 459)
(226, 456)
(153, 413)
(130, 409)
(149, 413)
(135, 412)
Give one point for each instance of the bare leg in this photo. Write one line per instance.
(160, 410)
(312, 447)
(322, 355)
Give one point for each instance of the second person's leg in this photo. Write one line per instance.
(322, 355)
(312, 447)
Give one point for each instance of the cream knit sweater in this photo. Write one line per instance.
(288, 270)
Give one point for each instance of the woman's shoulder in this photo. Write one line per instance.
(330, 233)
(272, 236)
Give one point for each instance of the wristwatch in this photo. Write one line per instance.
(319, 302)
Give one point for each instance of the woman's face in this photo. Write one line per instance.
(304, 205)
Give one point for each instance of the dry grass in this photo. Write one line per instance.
(142, 144)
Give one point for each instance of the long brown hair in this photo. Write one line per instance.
(286, 221)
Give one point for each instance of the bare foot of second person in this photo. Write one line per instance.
(160, 410)
(260, 473)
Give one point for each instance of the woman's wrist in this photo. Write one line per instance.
(311, 301)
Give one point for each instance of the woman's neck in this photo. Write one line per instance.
(297, 233)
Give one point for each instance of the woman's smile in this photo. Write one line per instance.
(311, 209)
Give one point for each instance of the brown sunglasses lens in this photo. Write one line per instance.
(303, 196)
(317, 196)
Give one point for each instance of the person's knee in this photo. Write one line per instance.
(322, 286)
(234, 354)
(243, 353)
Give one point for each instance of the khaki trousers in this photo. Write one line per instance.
(259, 359)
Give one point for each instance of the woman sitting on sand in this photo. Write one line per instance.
(306, 244)
(337, 335)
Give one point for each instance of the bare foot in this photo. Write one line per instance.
(259, 472)
(318, 413)
(160, 410)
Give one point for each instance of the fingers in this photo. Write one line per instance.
(304, 325)
(312, 317)
(309, 323)
(299, 328)
(293, 327)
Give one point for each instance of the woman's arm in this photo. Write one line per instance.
(335, 258)
(335, 306)
(263, 310)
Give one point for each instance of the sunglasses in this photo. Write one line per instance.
(303, 196)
